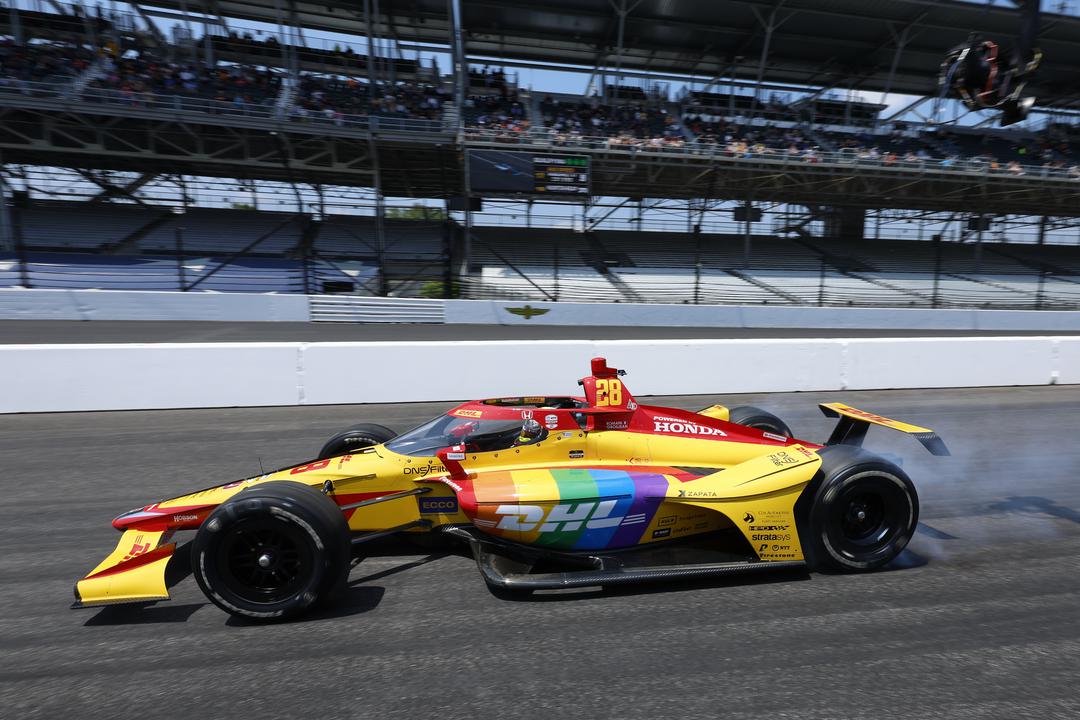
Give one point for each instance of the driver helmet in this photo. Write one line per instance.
(531, 430)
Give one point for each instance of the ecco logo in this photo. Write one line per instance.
(448, 506)
(685, 427)
(565, 517)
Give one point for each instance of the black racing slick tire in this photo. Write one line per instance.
(858, 514)
(759, 419)
(355, 438)
(272, 552)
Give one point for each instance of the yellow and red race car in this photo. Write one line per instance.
(548, 492)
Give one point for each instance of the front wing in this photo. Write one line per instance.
(133, 572)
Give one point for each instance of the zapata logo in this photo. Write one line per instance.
(748, 518)
(528, 311)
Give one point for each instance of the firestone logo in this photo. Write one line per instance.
(685, 428)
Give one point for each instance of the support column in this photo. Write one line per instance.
(901, 43)
(380, 214)
(621, 11)
(181, 279)
(7, 235)
(748, 206)
(771, 24)
(372, 77)
(461, 70)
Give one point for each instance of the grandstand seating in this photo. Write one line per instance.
(210, 230)
(355, 236)
(47, 62)
(535, 264)
(660, 267)
(70, 226)
(58, 270)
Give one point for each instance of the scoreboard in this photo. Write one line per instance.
(561, 174)
(496, 172)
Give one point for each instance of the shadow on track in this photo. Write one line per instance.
(354, 601)
(143, 614)
(1036, 504)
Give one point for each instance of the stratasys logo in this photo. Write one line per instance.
(685, 428)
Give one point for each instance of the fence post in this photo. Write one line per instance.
(935, 299)
(180, 269)
(821, 285)
(556, 263)
(20, 201)
(697, 264)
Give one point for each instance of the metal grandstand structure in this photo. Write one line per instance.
(744, 47)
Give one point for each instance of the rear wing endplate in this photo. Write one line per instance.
(854, 423)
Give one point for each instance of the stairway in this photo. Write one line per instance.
(764, 286)
(600, 259)
(354, 309)
(129, 245)
(451, 117)
(95, 71)
(283, 103)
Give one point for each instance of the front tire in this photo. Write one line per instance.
(272, 552)
(355, 438)
(863, 513)
(759, 420)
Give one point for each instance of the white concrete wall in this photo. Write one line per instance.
(495, 312)
(16, 303)
(44, 378)
(22, 304)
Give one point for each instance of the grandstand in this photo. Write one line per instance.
(195, 147)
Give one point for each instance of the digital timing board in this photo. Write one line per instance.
(520, 173)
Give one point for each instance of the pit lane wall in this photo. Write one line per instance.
(50, 378)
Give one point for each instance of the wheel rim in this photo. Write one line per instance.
(266, 560)
(864, 519)
(868, 515)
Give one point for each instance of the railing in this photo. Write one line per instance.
(194, 104)
(535, 137)
(830, 289)
(847, 157)
(164, 273)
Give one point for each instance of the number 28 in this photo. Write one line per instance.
(608, 392)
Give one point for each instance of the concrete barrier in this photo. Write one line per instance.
(44, 304)
(506, 312)
(17, 303)
(46, 378)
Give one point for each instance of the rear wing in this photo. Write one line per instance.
(854, 423)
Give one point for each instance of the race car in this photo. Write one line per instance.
(546, 492)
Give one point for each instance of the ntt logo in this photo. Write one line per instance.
(685, 428)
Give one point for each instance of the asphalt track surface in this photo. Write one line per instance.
(135, 331)
(980, 618)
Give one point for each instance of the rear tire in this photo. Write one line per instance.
(863, 513)
(355, 438)
(759, 420)
(272, 552)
